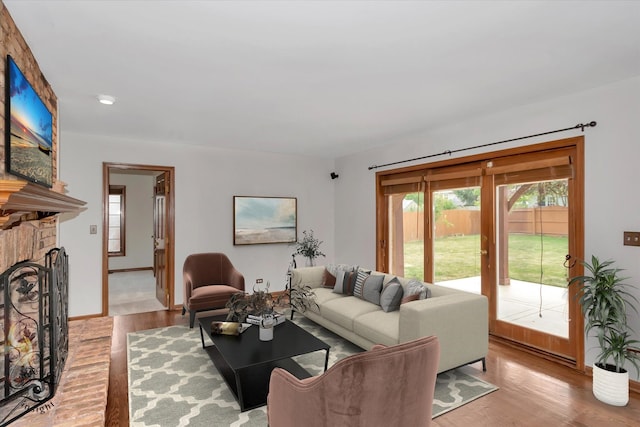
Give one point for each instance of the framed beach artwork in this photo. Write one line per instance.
(259, 220)
(29, 136)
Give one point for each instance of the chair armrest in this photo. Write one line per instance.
(236, 279)
(187, 284)
(286, 392)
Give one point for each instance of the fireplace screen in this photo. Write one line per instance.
(33, 316)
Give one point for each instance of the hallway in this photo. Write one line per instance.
(132, 292)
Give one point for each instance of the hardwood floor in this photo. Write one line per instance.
(533, 391)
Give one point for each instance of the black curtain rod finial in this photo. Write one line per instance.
(582, 125)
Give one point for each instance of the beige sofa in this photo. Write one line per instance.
(459, 319)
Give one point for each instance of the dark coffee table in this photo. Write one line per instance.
(246, 363)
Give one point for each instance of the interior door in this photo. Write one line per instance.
(160, 238)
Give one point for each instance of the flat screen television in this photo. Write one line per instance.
(28, 128)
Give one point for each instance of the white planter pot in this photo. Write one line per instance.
(610, 387)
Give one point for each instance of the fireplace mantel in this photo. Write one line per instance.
(20, 200)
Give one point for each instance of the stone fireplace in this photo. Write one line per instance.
(37, 341)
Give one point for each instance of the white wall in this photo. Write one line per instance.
(612, 157)
(206, 181)
(139, 221)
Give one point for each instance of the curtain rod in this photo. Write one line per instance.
(449, 152)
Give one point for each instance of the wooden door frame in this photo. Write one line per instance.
(170, 218)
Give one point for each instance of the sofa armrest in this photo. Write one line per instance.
(460, 321)
(311, 276)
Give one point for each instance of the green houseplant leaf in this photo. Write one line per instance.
(605, 303)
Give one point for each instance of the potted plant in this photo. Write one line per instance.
(605, 304)
(309, 247)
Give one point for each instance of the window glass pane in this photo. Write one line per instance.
(116, 220)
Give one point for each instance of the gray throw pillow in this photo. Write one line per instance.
(391, 296)
(339, 286)
(417, 287)
(372, 287)
(360, 278)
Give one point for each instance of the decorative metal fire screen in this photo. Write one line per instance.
(34, 328)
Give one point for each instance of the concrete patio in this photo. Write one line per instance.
(541, 307)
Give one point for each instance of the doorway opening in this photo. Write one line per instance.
(137, 239)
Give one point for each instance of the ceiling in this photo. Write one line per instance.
(323, 78)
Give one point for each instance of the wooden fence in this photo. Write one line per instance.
(548, 220)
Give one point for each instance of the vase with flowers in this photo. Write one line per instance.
(309, 247)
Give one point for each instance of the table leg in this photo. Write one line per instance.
(201, 335)
(326, 361)
(239, 390)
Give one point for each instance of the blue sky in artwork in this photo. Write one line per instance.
(26, 106)
(264, 212)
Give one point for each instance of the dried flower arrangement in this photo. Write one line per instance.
(262, 302)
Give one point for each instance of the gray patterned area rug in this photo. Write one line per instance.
(172, 381)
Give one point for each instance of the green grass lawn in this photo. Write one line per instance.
(459, 257)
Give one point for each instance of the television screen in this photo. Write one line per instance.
(29, 134)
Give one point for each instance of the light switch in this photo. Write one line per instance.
(93, 229)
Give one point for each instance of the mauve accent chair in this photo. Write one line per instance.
(209, 281)
(382, 387)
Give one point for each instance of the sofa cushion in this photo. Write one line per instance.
(371, 288)
(378, 327)
(343, 310)
(391, 296)
(322, 296)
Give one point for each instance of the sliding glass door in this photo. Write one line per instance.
(500, 225)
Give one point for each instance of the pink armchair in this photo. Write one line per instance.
(209, 281)
(385, 386)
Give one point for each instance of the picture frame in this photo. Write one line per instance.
(263, 220)
(28, 130)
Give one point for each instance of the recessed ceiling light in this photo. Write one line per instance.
(106, 99)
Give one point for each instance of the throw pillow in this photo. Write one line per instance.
(349, 282)
(339, 286)
(371, 288)
(345, 278)
(344, 282)
(417, 287)
(409, 298)
(329, 280)
(391, 296)
(361, 276)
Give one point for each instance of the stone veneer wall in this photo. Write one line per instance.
(30, 240)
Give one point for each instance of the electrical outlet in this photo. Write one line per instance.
(258, 281)
(631, 238)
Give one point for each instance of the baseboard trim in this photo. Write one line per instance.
(86, 316)
(127, 270)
